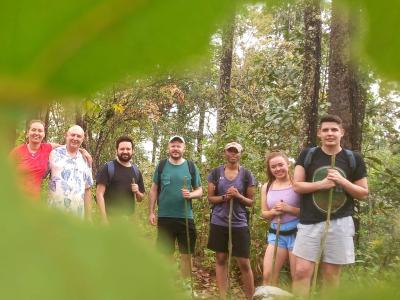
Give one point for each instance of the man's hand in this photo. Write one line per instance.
(186, 194)
(152, 219)
(335, 176)
(134, 188)
(326, 184)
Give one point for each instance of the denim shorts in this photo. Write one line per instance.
(284, 241)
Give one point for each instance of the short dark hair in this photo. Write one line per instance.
(124, 138)
(331, 118)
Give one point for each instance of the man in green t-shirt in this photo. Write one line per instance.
(172, 189)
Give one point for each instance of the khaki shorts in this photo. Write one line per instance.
(339, 245)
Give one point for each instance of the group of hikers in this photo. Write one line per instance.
(296, 206)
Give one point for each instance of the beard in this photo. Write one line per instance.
(175, 155)
(124, 157)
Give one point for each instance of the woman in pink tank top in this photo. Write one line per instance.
(279, 203)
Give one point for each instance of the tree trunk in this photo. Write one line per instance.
(311, 70)
(340, 75)
(80, 120)
(200, 131)
(225, 70)
(155, 143)
(344, 90)
(346, 94)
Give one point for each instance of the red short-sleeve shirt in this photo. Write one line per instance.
(31, 166)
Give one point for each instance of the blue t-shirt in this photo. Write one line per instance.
(220, 213)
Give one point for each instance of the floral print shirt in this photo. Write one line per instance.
(70, 176)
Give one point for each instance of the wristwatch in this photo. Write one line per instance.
(223, 198)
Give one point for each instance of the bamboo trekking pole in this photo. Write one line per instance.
(230, 247)
(324, 235)
(278, 229)
(188, 237)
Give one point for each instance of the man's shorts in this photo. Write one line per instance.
(284, 241)
(339, 246)
(219, 237)
(174, 229)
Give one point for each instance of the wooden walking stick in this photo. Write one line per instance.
(278, 229)
(324, 235)
(188, 236)
(229, 247)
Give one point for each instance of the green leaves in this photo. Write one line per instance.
(75, 47)
(47, 255)
(380, 24)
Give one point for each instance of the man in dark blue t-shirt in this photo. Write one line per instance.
(313, 178)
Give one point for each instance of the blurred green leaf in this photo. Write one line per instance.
(380, 34)
(74, 47)
(48, 255)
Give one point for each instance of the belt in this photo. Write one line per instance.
(283, 232)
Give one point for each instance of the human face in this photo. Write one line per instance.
(330, 134)
(176, 149)
(74, 138)
(36, 133)
(124, 151)
(279, 167)
(232, 155)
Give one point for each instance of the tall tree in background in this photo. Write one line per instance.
(200, 130)
(311, 69)
(345, 92)
(344, 89)
(225, 71)
(81, 121)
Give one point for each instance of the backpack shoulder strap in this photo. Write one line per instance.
(351, 158)
(110, 169)
(135, 172)
(192, 171)
(246, 179)
(160, 169)
(308, 158)
(215, 174)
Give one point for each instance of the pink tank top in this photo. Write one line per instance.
(289, 196)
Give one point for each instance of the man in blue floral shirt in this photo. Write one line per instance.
(71, 176)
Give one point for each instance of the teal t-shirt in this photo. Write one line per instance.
(170, 201)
